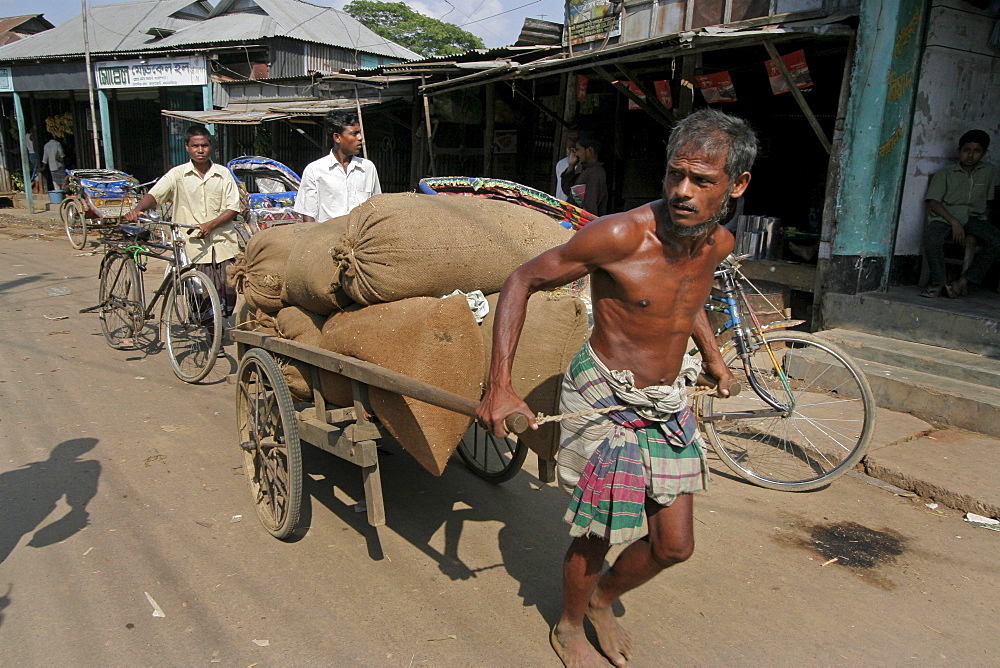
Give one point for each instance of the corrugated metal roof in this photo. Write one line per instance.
(122, 27)
(254, 113)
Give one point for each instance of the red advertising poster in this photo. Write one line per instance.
(637, 92)
(797, 67)
(716, 87)
(581, 88)
(662, 94)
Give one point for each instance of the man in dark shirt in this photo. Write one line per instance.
(584, 180)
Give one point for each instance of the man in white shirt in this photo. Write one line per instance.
(54, 158)
(571, 136)
(340, 180)
(204, 194)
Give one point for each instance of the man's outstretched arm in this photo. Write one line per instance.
(598, 244)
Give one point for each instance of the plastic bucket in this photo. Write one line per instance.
(56, 196)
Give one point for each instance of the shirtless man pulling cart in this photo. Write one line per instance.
(632, 472)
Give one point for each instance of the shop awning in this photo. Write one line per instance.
(255, 113)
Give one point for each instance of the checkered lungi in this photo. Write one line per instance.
(611, 463)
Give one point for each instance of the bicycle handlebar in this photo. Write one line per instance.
(151, 219)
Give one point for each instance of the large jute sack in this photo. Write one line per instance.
(253, 319)
(408, 245)
(312, 276)
(298, 324)
(260, 275)
(555, 328)
(432, 340)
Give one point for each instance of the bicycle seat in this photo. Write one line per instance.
(136, 231)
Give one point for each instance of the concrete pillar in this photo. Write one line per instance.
(29, 196)
(876, 139)
(109, 149)
(207, 103)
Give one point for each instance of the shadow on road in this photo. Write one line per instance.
(29, 494)
(532, 539)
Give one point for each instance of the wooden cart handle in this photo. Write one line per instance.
(708, 381)
(516, 423)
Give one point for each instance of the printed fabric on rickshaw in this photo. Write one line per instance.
(267, 193)
(569, 216)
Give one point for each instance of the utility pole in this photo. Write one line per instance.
(90, 86)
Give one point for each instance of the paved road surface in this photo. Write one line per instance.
(121, 486)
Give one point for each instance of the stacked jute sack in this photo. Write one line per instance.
(369, 285)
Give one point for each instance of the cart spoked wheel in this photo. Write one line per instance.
(493, 459)
(272, 454)
(74, 221)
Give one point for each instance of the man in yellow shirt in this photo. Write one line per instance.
(203, 194)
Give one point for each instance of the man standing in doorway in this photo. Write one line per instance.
(632, 472)
(571, 137)
(340, 180)
(584, 180)
(204, 194)
(54, 158)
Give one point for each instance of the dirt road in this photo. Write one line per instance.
(127, 537)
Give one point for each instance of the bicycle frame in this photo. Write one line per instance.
(747, 338)
(175, 270)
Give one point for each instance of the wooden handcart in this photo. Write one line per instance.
(272, 427)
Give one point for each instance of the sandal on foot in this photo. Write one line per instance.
(932, 291)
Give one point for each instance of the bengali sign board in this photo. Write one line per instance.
(6, 80)
(591, 20)
(154, 73)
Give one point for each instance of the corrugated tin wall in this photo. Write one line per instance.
(291, 58)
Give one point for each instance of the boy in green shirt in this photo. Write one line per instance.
(958, 203)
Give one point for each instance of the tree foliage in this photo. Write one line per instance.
(397, 22)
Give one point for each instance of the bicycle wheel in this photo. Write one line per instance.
(121, 303)
(192, 319)
(493, 459)
(815, 430)
(74, 222)
(269, 437)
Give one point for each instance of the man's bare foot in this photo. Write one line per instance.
(573, 648)
(615, 640)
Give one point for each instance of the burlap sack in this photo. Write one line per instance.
(312, 275)
(261, 274)
(252, 319)
(298, 324)
(407, 245)
(432, 340)
(555, 328)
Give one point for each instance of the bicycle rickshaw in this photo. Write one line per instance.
(267, 193)
(805, 420)
(96, 199)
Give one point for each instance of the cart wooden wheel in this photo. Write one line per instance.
(74, 221)
(493, 459)
(272, 453)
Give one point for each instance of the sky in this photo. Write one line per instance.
(496, 22)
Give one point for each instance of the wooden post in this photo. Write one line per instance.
(651, 99)
(685, 102)
(361, 122)
(427, 127)
(828, 229)
(490, 112)
(416, 146)
(797, 94)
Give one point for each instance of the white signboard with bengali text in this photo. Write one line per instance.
(6, 80)
(153, 73)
